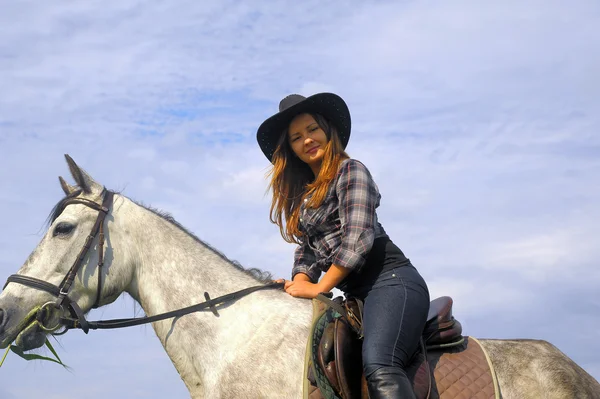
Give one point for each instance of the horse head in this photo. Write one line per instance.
(67, 273)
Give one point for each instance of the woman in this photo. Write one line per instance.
(325, 202)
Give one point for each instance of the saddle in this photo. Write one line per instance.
(336, 367)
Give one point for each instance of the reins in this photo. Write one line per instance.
(64, 302)
(209, 304)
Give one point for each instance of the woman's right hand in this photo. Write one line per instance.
(297, 277)
(286, 283)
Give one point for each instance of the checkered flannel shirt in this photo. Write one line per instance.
(342, 230)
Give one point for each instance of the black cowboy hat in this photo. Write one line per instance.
(330, 105)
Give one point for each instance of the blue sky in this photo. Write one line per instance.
(479, 123)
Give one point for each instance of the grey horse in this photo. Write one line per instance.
(256, 347)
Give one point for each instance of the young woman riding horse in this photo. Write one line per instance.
(326, 202)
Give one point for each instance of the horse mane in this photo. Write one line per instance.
(256, 273)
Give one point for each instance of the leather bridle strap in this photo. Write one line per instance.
(210, 305)
(33, 282)
(65, 286)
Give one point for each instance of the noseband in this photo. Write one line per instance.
(61, 292)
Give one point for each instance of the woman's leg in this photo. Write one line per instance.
(395, 312)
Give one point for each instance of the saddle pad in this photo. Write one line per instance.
(463, 373)
(310, 390)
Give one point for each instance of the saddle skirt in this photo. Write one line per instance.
(447, 365)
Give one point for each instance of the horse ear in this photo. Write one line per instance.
(83, 180)
(67, 188)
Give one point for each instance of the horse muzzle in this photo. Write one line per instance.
(28, 331)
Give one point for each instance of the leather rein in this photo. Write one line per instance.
(77, 319)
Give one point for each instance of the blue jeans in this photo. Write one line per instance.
(395, 312)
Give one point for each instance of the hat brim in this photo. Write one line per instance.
(330, 105)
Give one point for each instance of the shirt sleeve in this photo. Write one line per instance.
(305, 262)
(358, 198)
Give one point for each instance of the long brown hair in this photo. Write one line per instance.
(292, 180)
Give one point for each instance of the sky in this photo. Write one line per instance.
(479, 122)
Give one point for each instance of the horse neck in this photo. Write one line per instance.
(170, 266)
(172, 270)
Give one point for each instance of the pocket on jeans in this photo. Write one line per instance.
(388, 278)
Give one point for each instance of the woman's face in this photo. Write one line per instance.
(307, 140)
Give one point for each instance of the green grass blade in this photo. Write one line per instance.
(31, 356)
(49, 345)
(4, 357)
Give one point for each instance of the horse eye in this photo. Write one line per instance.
(62, 229)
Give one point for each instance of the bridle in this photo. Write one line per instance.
(78, 319)
(61, 292)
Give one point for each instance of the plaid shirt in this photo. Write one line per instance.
(342, 230)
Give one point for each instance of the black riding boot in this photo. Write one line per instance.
(389, 383)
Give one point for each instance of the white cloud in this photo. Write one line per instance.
(142, 154)
(545, 255)
(477, 297)
(174, 167)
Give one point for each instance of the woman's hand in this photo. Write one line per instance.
(302, 289)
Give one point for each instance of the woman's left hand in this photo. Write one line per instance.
(302, 289)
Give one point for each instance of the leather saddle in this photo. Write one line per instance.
(339, 349)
